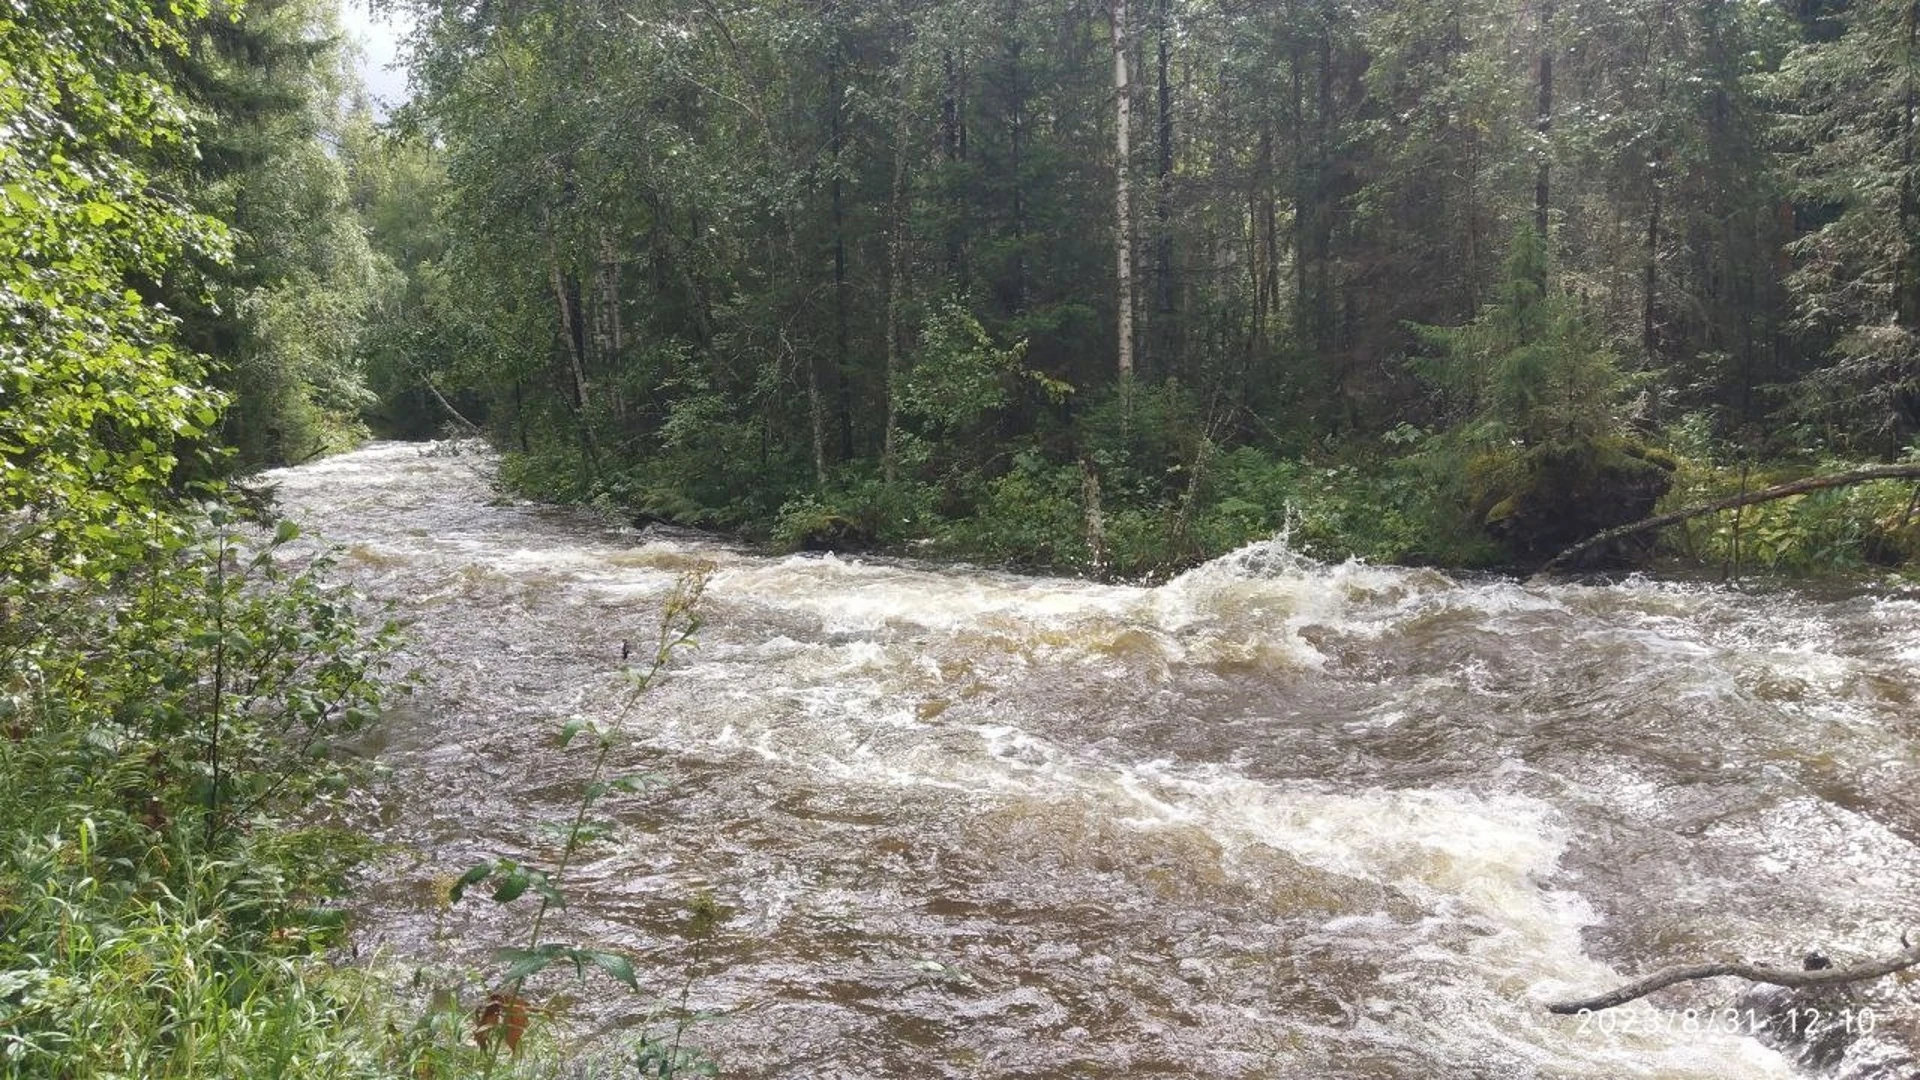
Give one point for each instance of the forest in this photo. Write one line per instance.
(1095, 287)
(1113, 287)
(1107, 287)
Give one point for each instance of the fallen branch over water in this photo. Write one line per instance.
(448, 405)
(1788, 977)
(1909, 471)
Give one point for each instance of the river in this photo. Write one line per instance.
(1272, 818)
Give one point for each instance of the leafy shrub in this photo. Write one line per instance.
(1144, 439)
(165, 712)
(1839, 530)
(863, 514)
(1033, 516)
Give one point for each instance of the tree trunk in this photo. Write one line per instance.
(1095, 520)
(1321, 299)
(576, 380)
(953, 139)
(1165, 339)
(427, 381)
(1122, 209)
(896, 281)
(1906, 283)
(1302, 203)
(1649, 327)
(1016, 123)
(843, 395)
(570, 334)
(613, 328)
(1543, 122)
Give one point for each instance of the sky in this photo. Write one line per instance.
(378, 40)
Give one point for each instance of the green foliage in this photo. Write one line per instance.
(958, 376)
(506, 1014)
(726, 274)
(1144, 439)
(1531, 368)
(284, 318)
(1845, 530)
(164, 716)
(1032, 515)
(1851, 137)
(97, 404)
(864, 514)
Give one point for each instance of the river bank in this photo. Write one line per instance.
(1414, 510)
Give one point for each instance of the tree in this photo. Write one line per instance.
(1530, 368)
(98, 405)
(282, 318)
(1856, 277)
(1122, 208)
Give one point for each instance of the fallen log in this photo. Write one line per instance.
(1792, 978)
(1908, 471)
(448, 405)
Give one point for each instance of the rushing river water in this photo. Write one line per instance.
(1273, 818)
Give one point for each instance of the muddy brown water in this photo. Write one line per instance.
(1273, 818)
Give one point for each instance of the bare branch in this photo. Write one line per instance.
(1788, 977)
(1780, 491)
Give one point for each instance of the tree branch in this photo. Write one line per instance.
(1788, 977)
(1907, 471)
(447, 405)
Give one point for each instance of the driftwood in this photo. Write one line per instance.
(1909, 471)
(1788, 977)
(447, 405)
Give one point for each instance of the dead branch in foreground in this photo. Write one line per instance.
(1788, 977)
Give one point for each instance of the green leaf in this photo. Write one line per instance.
(639, 783)
(617, 966)
(512, 886)
(523, 963)
(474, 876)
(544, 888)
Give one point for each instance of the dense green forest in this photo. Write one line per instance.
(1092, 286)
(1119, 285)
(185, 287)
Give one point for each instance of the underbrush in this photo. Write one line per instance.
(1033, 510)
(171, 707)
(170, 700)
(1846, 530)
(1146, 480)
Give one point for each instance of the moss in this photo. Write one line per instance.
(1540, 500)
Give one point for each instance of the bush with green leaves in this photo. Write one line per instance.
(172, 679)
(169, 715)
(1843, 530)
(1031, 516)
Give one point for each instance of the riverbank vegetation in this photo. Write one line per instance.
(170, 681)
(183, 287)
